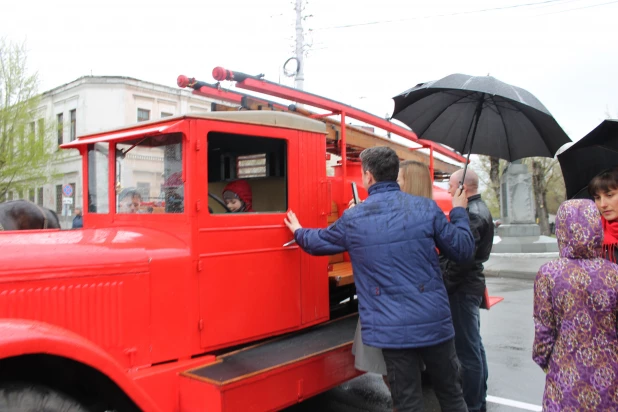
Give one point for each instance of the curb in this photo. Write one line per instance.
(517, 265)
(509, 273)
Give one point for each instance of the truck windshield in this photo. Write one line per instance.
(149, 176)
(98, 175)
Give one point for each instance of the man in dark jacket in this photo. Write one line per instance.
(392, 238)
(465, 284)
(78, 222)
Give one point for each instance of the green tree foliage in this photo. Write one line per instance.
(25, 150)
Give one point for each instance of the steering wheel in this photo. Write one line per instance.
(221, 202)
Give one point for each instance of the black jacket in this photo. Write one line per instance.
(468, 277)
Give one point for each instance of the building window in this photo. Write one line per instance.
(11, 195)
(32, 139)
(60, 126)
(73, 125)
(144, 189)
(31, 195)
(39, 196)
(59, 199)
(165, 114)
(143, 115)
(41, 131)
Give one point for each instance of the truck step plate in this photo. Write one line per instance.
(278, 352)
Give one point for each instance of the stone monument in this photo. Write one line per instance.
(519, 232)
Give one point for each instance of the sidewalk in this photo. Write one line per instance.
(517, 265)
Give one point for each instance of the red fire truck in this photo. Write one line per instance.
(165, 302)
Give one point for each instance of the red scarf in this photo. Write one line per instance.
(610, 237)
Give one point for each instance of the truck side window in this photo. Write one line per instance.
(149, 176)
(247, 173)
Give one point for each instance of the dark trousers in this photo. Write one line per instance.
(470, 350)
(404, 376)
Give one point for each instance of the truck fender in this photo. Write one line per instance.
(27, 337)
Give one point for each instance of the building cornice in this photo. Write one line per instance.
(129, 82)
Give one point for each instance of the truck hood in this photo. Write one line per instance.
(106, 251)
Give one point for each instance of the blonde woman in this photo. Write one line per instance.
(413, 178)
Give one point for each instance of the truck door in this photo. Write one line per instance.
(249, 282)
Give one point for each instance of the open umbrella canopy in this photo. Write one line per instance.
(480, 115)
(594, 153)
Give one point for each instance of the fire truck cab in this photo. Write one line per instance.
(145, 295)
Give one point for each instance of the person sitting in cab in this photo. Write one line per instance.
(237, 196)
(129, 201)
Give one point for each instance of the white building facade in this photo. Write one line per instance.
(93, 104)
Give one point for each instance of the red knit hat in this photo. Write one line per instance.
(242, 191)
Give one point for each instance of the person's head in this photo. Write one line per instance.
(471, 182)
(414, 178)
(129, 201)
(579, 229)
(78, 211)
(379, 164)
(237, 196)
(604, 190)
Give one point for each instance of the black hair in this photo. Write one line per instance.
(604, 182)
(382, 162)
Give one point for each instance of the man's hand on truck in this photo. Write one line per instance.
(292, 222)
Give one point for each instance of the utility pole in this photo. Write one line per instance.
(300, 43)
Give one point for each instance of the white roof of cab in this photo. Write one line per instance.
(167, 125)
(267, 118)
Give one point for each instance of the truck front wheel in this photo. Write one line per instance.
(35, 398)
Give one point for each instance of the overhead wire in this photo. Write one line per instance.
(513, 6)
(579, 8)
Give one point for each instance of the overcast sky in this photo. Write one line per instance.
(362, 52)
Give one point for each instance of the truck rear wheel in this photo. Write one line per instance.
(35, 398)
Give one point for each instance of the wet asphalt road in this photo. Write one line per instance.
(507, 331)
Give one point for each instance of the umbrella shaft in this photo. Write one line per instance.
(475, 121)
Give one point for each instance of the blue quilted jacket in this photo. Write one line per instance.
(392, 239)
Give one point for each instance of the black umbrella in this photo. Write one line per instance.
(480, 115)
(594, 153)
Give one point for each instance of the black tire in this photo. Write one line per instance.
(35, 398)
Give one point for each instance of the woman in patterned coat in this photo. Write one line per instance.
(575, 316)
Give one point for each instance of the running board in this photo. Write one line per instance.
(274, 374)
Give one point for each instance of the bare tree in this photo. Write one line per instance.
(490, 172)
(546, 179)
(547, 185)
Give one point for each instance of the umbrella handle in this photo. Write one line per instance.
(463, 175)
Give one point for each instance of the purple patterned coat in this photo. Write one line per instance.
(575, 316)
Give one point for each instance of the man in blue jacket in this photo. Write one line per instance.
(403, 305)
